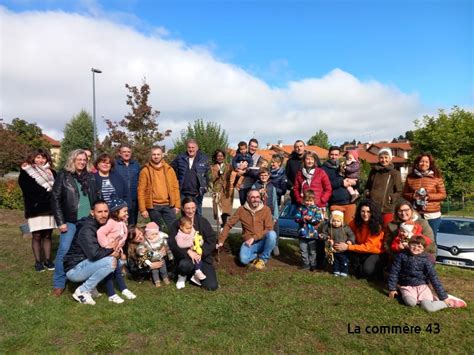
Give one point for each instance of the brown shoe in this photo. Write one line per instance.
(166, 281)
(58, 291)
(157, 283)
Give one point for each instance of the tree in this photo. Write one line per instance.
(210, 136)
(78, 134)
(320, 139)
(28, 133)
(448, 138)
(12, 150)
(139, 128)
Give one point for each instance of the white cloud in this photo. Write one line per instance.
(46, 78)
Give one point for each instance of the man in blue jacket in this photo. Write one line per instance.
(129, 169)
(192, 171)
(86, 261)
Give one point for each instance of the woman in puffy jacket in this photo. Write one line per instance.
(424, 188)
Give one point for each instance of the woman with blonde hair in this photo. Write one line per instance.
(73, 194)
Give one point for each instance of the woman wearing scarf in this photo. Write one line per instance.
(74, 192)
(222, 193)
(36, 182)
(384, 185)
(424, 188)
(312, 177)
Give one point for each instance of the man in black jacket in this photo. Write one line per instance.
(86, 261)
(293, 165)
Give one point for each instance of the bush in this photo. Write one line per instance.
(10, 195)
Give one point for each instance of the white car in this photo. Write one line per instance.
(455, 242)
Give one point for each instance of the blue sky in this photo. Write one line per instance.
(419, 46)
(422, 49)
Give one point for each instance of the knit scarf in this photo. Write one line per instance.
(276, 173)
(253, 211)
(83, 180)
(419, 173)
(41, 174)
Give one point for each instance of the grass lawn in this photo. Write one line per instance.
(281, 310)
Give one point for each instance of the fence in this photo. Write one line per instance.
(456, 206)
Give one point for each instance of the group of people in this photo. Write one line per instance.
(95, 207)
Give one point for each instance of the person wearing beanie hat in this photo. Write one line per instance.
(350, 169)
(116, 204)
(151, 250)
(405, 232)
(384, 185)
(113, 235)
(335, 231)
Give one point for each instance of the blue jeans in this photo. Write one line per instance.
(259, 249)
(133, 213)
(65, 240)
(92, 272)
(434, 224)
(163, 212)
(117, 275)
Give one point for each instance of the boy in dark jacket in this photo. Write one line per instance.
(278, 176)
(413, 271)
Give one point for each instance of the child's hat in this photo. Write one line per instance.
(117, 204)
(408, 228)
(354, 153)
(386, 151)
(152, 227)
(337, 215)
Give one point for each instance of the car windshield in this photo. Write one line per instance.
(457, 227)
(289, 211)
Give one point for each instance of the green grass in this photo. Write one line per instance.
(277, 311)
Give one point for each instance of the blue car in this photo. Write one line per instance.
(286, 222)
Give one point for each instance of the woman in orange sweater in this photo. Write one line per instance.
(368, 251)
(426, 176)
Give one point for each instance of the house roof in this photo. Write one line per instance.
(52, 141)
(287, 149)
(372, 158)
(401, 145)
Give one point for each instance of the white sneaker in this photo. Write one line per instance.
(336, 273)
(83, 297)
(116, 299)
(199, 275)
(95, 293)
(181, 282)
(456, 302)
(195, 280)
(129, 294)
(343, 274)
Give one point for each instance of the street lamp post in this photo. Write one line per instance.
(94, 71)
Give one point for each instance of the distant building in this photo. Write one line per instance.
(55, 148)
(369, 153)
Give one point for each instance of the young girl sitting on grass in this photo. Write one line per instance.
(413, 270)
(116, 229)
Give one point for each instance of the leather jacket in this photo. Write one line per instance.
(65, 197)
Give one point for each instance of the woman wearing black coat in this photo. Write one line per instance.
(36, 182)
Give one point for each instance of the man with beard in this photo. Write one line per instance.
(340, 198)
(293, 165)
(257, 231)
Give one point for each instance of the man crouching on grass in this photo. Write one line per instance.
(257, 231)
(86, 260)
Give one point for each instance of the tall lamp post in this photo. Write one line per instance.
(94, 71)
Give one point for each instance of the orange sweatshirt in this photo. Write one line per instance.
(365, 242)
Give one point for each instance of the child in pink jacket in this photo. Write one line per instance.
(116, 229)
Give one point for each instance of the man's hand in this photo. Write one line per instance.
(250, 241)
(176, 210)
(63, 228)
(145, 214)
(392, 294)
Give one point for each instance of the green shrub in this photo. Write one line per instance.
(10, 195)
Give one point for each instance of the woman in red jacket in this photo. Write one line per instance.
(424, 188)
(312, 177)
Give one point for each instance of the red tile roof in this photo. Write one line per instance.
(53, 142)
(403, 146)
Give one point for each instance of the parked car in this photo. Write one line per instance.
(286, 222)
(455, 242)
